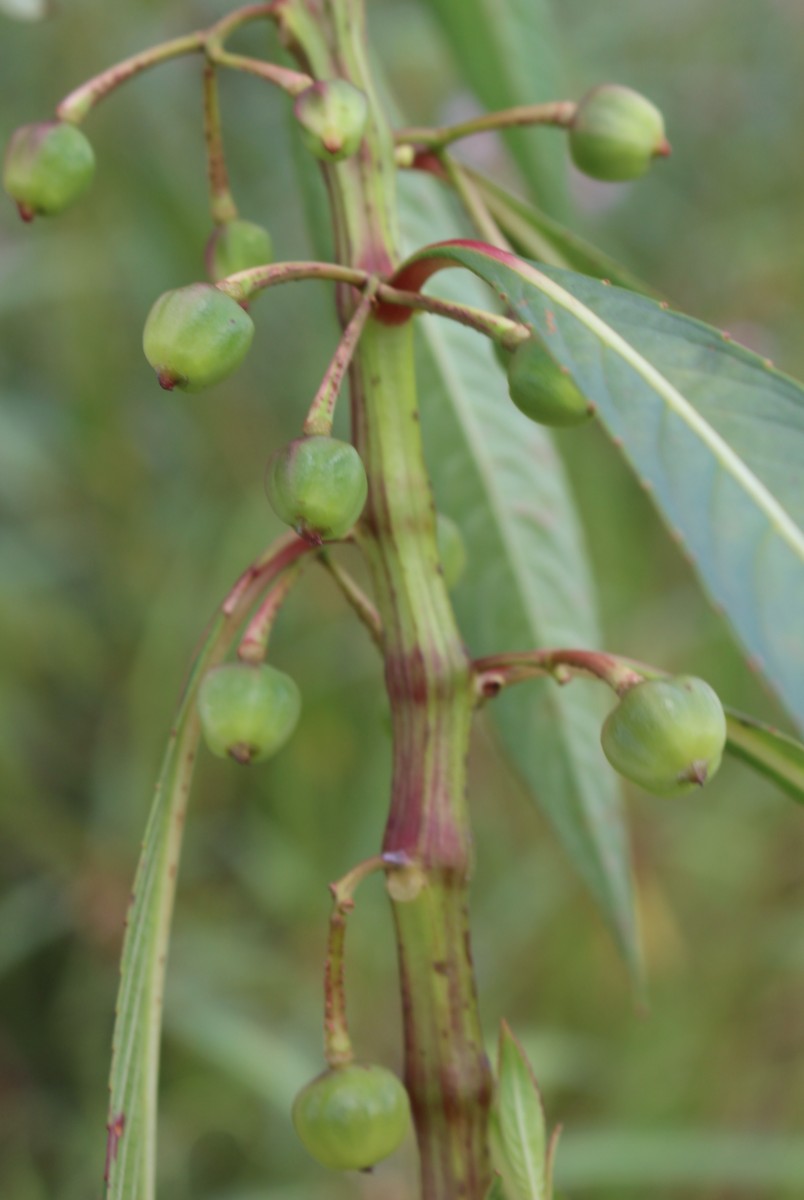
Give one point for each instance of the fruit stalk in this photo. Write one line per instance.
(428, 676)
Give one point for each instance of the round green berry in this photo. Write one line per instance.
(236, 246)
(351, 1117)
(47, 167)
(195, 336)
(616, 133)
(247, 711)
(332, 117)
(542, 390)
(667, 735)
(318, 486)
(451, 549)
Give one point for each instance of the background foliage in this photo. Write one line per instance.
(127, 512)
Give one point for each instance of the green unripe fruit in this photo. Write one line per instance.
(47, 167)
(195, 336)
(542, 390)
(236, 246)
(353, 1116)
(667, 735)
(318, 486)
(502, 354)
(451, 549)
(247, 711)
(616, 133)
(332, 115)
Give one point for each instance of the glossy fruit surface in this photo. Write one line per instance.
(47, 167)
(332, 115)
(236, 246)
(451, 549)
(667, 735)
(318, 486)
(541, 390)
(353, 1116)
(616, 133)
(196, 335)
(247, 711)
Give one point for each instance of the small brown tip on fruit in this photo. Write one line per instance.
(241, 753)
(664, 149)
(26, 212)
(167, 380)
(697, 773)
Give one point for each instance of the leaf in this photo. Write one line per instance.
(535, 235)
(517, 1132)
(507, 52)
(499, 476)
(131, 1145)
(495, 1191)
(716, 436)
(773, 754)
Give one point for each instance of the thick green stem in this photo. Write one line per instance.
(429, 678)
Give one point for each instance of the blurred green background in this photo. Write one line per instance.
(126, 514)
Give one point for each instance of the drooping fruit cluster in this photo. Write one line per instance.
(542, 390)
(667, 735)
(247, 711)
(236, 246)
(195, 336)
(451, 549)
(332, 116)
(318, 486)
(616, 133)
(352, 1116)
(47, 167)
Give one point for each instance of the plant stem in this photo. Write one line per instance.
(322, 410)
(428, 676)
(559, 113)
(501, 670)
(245, 284)
(221, 200)
(289, 81)
(79, 102)
(474, 204)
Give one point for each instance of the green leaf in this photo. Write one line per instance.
(773, 754)
(517, 1132)
(131, 1145)
(527, 584)
(507, 52)
(496, 1191)
(715, 434)
(535, 235)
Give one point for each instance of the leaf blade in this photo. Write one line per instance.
(500, 477)
(773, 754)
(727, 487)
(517, 1131)
(507, 51)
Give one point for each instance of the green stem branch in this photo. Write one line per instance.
(559, 113)
(497, 671)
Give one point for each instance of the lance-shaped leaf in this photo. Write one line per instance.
(534, 234)
(508, 52)
(713, 432)
(520, 1151)
(131, 1143)
(773, 754)
(528, 582)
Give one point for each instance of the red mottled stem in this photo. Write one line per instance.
(500, 670)
(253, 646)
(428, 676)
(221, 200)
(337, 1042)
(322, 410)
